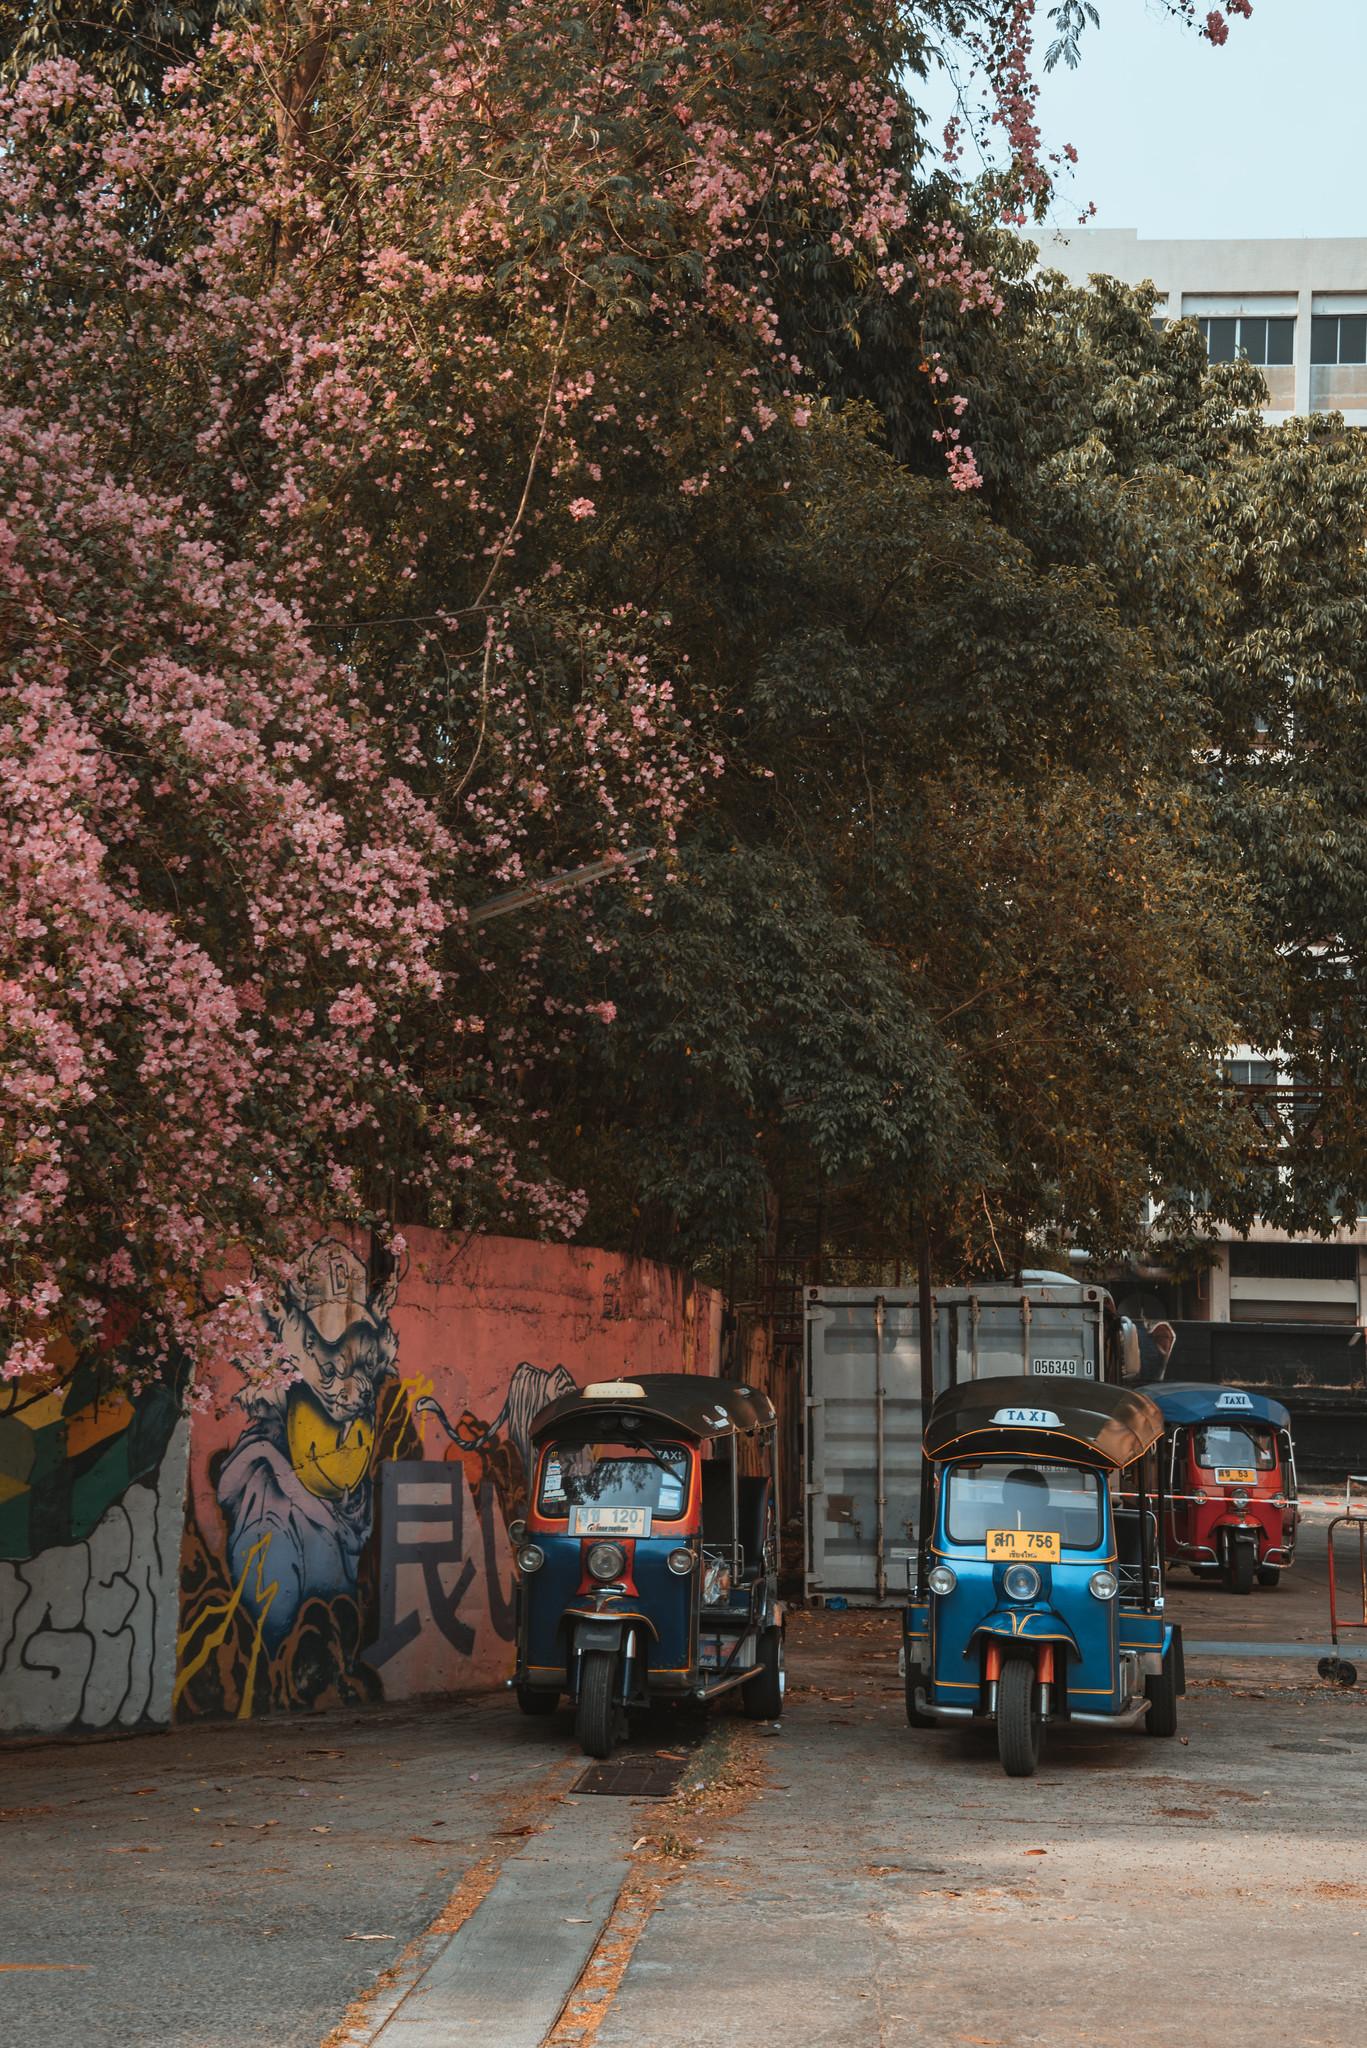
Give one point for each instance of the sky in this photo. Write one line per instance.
(1176, 138)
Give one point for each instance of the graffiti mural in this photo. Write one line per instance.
(92, 1489)
(346, 1539)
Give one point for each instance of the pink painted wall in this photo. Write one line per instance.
(346, 1533)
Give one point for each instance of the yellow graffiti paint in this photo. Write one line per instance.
(224, 1611)
(407, 1395)
(329, 1457)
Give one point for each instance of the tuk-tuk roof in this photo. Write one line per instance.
(1190, 1401)
(1077, 1421)
(686, 1403)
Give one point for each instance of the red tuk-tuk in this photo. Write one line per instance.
(1231, 1508)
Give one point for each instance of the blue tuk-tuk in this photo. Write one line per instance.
(1040, 1572)
(648, 1561)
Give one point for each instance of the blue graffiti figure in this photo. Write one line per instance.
(300, 1474)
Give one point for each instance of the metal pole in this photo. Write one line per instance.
(880, 1570)
(925, 1325)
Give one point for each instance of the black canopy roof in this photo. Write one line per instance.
(684, 1403)
(1079, 1421)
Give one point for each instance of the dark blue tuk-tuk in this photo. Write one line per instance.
(647, 1563)
(1040, 1572)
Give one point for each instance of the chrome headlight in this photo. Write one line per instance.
(1020, 1582)
(1241, 1501)
(530, 1557)
(680, 1561)
(942, 1579)
(606, 1560)
(1103, 1585)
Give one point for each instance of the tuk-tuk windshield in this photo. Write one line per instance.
(999, 1493)
(615, 1475)
(1238, 1445)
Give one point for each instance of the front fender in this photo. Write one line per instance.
(618, 1619)
(1025, 1625)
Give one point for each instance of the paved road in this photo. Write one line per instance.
(201, 1890)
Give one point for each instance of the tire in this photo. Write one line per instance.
(1161, 1718)
(1242, 1567)
(1018, 1725)
(915, 1718)
(762, 1695)
(595, 1717)
(1269, 1575)
(537, 1702)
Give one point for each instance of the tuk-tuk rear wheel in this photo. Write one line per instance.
(1269, 1574)
(916, 1681)
(535, 1702)
(1161, 1718)
(595, 1719)
(762, 1695)
(1018, 1725)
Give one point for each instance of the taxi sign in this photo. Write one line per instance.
(1011, 1544)
(1027, 1418)
(1232, 1399)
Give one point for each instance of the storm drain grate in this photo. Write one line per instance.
(633, 1777)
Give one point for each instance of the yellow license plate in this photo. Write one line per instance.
(1235, 1475)
(1014, 1543)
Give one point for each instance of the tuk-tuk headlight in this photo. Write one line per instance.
(530, 1557)
(1103, 1585)
(606, 1560)
(680, 1561)
(1020, 1582)
(942, 1579)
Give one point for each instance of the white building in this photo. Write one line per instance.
(1296, 308)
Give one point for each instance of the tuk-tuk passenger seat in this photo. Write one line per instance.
(753, 1504)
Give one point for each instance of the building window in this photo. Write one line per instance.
(1249, 340)
(1338, 338)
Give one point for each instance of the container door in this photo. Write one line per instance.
(863, 1442)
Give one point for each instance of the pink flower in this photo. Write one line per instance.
(582, 508)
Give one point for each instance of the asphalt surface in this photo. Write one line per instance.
(207, 1889)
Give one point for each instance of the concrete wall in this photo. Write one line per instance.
(338, 1534)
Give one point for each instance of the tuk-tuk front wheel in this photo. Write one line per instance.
(1241, 1568)
(762, 1695)
(537, 1702)
(595, 1718)
(1019, 1729)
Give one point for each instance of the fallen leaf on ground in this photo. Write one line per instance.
(1037, 1852)
(504, 1834)
(320, 1831)
(47, 1966)
(370, 1937)
(141, 1849)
